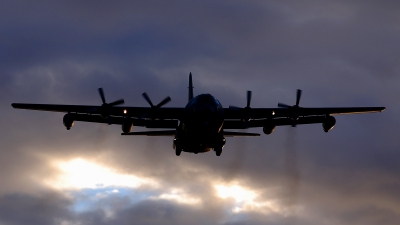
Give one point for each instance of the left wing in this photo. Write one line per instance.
(286, 114)
(271, 117)
(262, 113)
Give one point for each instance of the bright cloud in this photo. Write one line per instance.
(179, 196)
(236, 192)
(246, 199)
(98, 182)
(80, 173)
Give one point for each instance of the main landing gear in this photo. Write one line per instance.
(218, 150)
(178, 150)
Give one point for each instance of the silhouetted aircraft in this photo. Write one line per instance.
(203, 124)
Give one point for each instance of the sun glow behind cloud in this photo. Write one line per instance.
(88, 184)
(80, 174)
(178, 195)
(246, 200)
(97, 182)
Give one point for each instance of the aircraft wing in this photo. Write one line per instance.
(239, 134)
(135, 112)
(176, 113)
(173, 132)
(89, 113)
(262, 113)
(120, 120)
(235, 124)
(55, 108)
(170, 116)
(152, 133)
(283, 116)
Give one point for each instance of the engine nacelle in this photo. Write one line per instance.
(269, 127)
(328, 123)
(127, 126)
(68, 121)
(220, 143)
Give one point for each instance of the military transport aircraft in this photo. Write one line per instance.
(203, 124)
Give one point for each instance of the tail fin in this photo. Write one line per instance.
(190, 87)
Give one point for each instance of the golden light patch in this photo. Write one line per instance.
(246, 200)
(180, 197)
(236, 192)
(80, 173)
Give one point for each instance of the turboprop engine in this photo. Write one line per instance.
(269, 127)
(328, 123)
(68, 121)
(127, 126)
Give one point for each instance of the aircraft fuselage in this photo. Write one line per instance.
(201, 125)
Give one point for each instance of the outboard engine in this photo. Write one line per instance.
(269, 127)
(127, 126)
(328, 123)
(68, 121)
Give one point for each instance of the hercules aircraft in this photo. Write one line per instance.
(203, 124)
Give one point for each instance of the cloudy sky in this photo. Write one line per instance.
(340, 53)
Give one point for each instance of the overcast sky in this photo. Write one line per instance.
(340, 53)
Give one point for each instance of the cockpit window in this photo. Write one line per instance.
(216, 101)
(204, 99)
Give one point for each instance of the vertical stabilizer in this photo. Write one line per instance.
(190, 87)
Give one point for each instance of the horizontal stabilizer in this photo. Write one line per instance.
(239, 134)
(153, 133)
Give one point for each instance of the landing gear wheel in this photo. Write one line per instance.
(178, 151)
(218, 151)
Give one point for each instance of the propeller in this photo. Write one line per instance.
(105, 108)
(154, 108)
(246, 110)
(294, 107)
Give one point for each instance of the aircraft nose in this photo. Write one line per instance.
(207, 109)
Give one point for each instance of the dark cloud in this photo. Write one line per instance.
(48, 208)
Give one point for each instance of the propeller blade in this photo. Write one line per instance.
(146, 97)
(234, 107)
(298, 96)
(282, 105)
(103, 99)
(163, 102)
(118, 102)
(248, 98)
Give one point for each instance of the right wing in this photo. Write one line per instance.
(135, 112)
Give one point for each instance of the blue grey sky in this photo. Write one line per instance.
(340, 53)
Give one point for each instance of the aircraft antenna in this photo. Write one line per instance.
(190, 87)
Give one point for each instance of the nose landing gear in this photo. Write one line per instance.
(218, 150)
